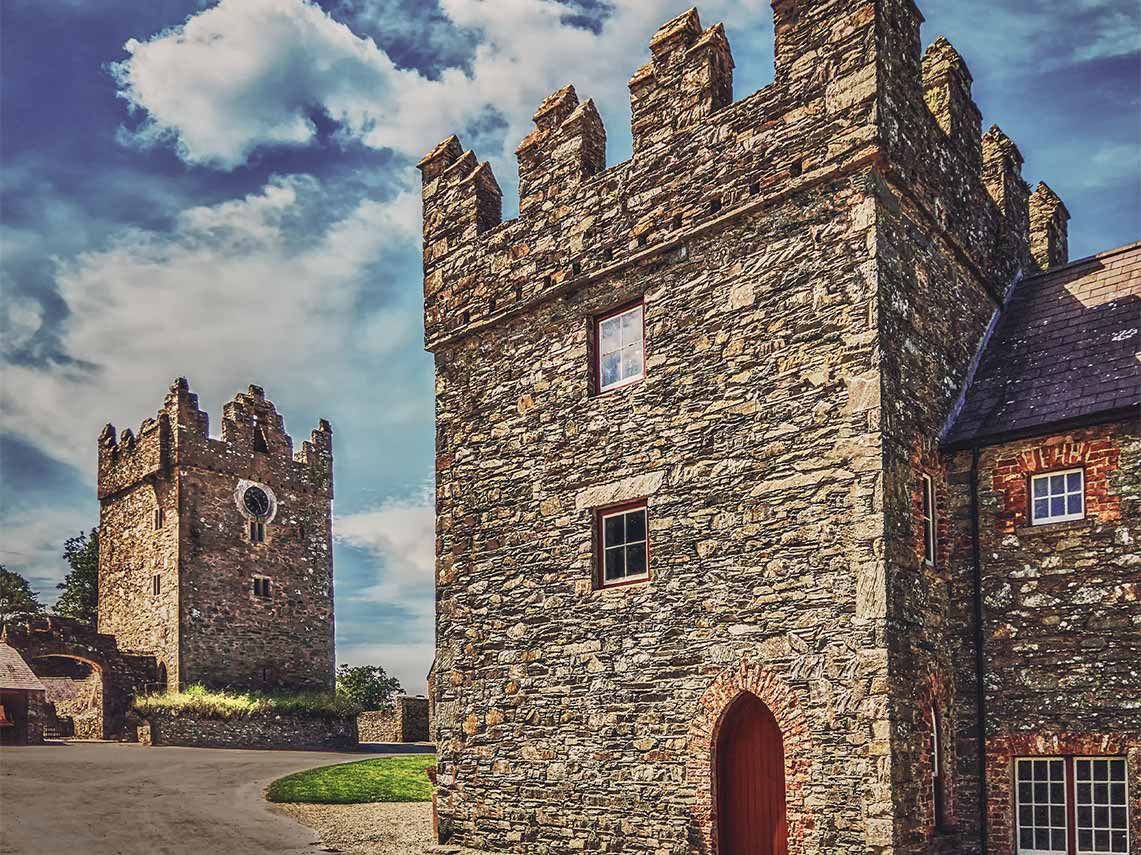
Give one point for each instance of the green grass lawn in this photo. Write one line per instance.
(388, 779)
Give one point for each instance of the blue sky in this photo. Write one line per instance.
(226, 190)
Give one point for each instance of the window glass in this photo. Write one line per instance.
(620, 355)
(1102, 810)
(624, 554)
(1057, 497)
(928, 488)
(1041, 806)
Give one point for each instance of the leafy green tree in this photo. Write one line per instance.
(18, 601)
(368, 686)
(80, 597)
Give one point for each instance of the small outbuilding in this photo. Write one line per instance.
(21, 700)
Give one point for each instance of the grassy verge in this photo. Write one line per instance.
(388, 779)
(197, 700)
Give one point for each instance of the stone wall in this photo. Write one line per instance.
(276, 731)
(1062, 607)
(206, 625)
(407, 721)
(818, 263)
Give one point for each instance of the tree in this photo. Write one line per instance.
(80, 597)
(18, 602)
(368, 686)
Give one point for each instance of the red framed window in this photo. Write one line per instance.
(1071, 805)
(623, 544)
(620, 353)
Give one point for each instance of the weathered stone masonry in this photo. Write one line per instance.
(205, 623)
(818, 264)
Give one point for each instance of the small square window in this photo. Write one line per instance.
(263, 587)
(623, 545)
(1057, 497)
(620, 346)
(929, 529)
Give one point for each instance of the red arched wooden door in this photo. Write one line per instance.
(750, 781)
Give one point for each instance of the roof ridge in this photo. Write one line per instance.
(1107, 253)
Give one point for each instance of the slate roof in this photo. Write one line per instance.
(14, 671)
(1064, 353)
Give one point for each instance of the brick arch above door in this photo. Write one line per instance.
(785, 705)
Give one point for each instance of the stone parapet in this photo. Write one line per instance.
(264, 731)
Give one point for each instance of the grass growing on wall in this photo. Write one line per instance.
(388, 779)
(200, 701)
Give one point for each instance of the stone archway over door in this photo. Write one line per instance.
(749, 756)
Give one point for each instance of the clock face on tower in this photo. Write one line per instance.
(256, 502)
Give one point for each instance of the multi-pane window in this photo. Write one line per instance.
(928, 487)
(620, 348)
(1072, 806)
(156, 584)
(257, 531)
(624, 553)
(1057, 497)
(1102, 812)
(263, 587)
(1041, 806)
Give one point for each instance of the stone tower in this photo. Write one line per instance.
(685, 406)
(215, 555)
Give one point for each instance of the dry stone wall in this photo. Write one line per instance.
(271, 731)
(407, 721)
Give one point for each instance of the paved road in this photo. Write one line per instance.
(121, 799)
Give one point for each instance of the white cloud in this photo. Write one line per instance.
(401, 534)
(261, 288)
(33, 543)
(400, 537)
(248, 73)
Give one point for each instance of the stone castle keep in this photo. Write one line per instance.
(788, 475)
(215, 555)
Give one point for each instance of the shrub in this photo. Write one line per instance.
(200, 701)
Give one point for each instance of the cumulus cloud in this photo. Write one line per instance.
(400, 533)
(265, 286)
(33, 543)
(245, 74)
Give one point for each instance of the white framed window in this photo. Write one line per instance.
(1057, 496)
(1041, 806)
(620, 338)
(1086, 794)
(1102, 806)
(929, 530)
(623, 543)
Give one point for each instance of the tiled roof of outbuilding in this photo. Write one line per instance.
(14, 671)
(1064, 352)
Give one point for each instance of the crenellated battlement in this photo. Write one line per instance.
(852, 91)
(253, 440)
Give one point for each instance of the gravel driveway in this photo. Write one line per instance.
(122, 799)
(377, 829)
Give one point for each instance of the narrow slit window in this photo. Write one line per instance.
(260, 443)
(1057, 497)
(929, 529)
(156, 584)
(623, 545)
(159, 518)
(620, 336)
(938, 780)
(257, 531)
(263, 587)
